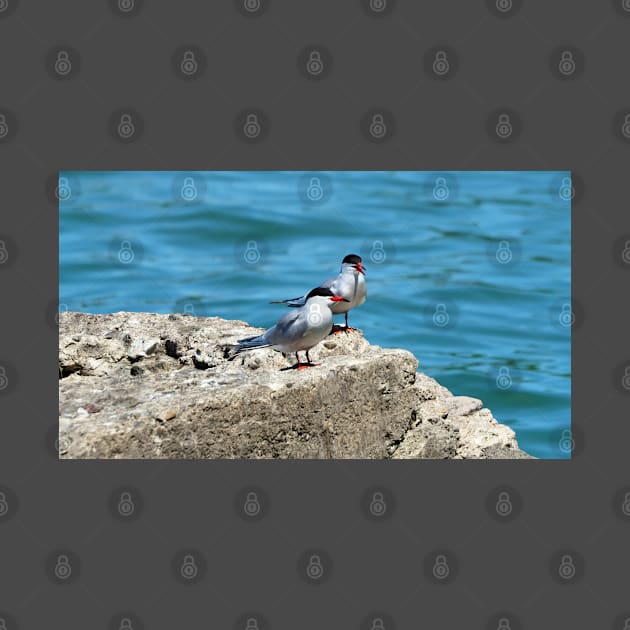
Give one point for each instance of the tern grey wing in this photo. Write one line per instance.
(330, 283)
(286, 328)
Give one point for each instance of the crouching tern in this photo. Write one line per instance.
(300, 329)
(349, 284)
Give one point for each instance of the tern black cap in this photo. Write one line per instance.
(323, 292)
(353, 259)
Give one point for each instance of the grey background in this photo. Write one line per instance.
(124, 568)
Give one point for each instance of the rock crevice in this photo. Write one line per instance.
(141, 385)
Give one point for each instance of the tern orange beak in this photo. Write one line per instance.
(338, 298)
(360, 268)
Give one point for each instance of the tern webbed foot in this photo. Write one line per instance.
(303, 366)
(336, 329)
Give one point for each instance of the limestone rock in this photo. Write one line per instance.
(141, 385)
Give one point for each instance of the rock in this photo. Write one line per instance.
(140, 385)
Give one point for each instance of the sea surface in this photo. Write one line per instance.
(470, 271)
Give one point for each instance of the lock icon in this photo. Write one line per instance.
(440, 190)
(504, 126)
(189, 568)
(441, 66)
(251, 255)
(378, 507)
(441, 569)
(125, 624)
(441, 317)
(252, 127)
(251, 5)
(315, 191)
(626, 7)
(504, 5)
(189, 441)
(625, 506)
(314, 569)
(4, 254)
(126, 5)
(189, 190)
(126, 253)
(377, 127)
(377, 624)
(3, 622)
(377, 253)
(378, 5)
(63, 191)
(503, 506)
(4, 5)
(4, 128)
(315, 316)
(315, 65)
(4, 379)
(504, 624)
(566, 442)
(252, 624)
(625, 381)
(126, 128)
(62, 569)
(566, 317)
(189, 309)
(626, 625)
(567, 63)
(126, 506)
(4, 506)
(251, 507)
(566, 191)
(625, 129)
(189, 64)
(566, 570)
(504, 380)
(625, 254)
(504, 253)
(63, 65)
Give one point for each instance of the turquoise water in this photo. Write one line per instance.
(471, 271)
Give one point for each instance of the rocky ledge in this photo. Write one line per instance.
(140, 385)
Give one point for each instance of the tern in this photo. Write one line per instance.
(349, 284)
(300, 329)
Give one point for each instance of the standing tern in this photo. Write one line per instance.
(348, 284)
(299, 329)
